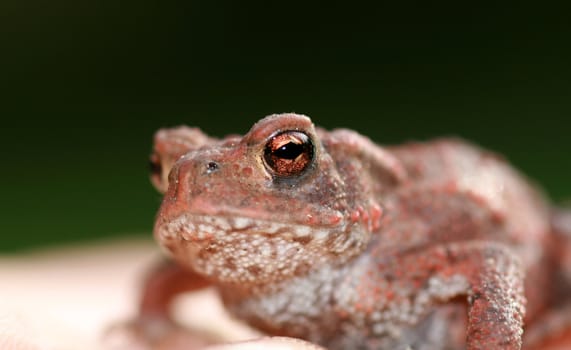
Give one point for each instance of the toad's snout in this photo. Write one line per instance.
(197, 183)
(184, 175)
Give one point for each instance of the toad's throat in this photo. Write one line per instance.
(198, 228)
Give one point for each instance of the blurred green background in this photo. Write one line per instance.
(86, 83)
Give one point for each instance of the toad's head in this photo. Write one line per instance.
(269, 205)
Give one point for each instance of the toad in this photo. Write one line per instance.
(326, 236)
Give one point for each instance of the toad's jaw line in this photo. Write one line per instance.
(193, 227)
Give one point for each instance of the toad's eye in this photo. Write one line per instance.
(155, 166)
(288, 153)
(157, 175)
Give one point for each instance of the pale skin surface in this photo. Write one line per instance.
(63, 297)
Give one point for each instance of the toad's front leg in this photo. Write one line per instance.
(488, 276)
(496, 297)
(153, 327)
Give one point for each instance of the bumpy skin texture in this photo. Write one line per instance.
(328, 237)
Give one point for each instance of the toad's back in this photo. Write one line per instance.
(454, 166)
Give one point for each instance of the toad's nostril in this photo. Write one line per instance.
(211, 167)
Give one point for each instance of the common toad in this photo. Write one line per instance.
(326, 236)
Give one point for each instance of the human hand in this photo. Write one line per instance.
(67, 297)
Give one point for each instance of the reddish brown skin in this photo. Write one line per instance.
(436, 245)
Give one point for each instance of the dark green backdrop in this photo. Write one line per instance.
(85, 84)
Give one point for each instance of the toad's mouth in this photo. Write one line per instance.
(198, 228)
(239, 248)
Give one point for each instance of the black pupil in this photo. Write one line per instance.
(290, 150)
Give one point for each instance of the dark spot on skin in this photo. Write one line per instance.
(283, 230)
(352, 245)
(301, 270)
(230, 263)
(330, 240)
(291, 253)
(254, 270)
(211, 249)
(303, 240)
(389, 277)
